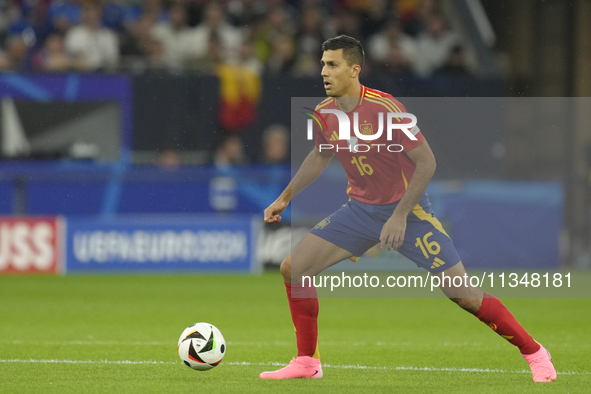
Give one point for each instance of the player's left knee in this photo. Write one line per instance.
(471, 305)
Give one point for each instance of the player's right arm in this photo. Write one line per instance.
(311, 168)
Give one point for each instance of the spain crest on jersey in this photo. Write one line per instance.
(366, 129)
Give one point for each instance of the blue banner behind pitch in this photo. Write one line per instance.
(161, 244)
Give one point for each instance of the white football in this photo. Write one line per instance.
(202, 346)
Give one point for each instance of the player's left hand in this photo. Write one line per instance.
(392, 234)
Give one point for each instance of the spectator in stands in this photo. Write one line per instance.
(248, 59)
(137, 36)
(20, 18)
(283, 56)
(306, 66)
(455, 65)
(139, 22)
(16, 57)
(275, 24)
(434, 46)
(114, 14)
(6, 18)
(230, 152)
(96, 46)
(114, 17)
(397, 61)
(427, 8)
(214, 23)
(357, 6)
(374, 19)
(309, 36)
(175, 36)
(157, 60)
(153, 8)
(347, 22)
(62, 15)
(276, 144)
(309, 40)
(413, 14)
(246, 12)
(169, 159)
(208, 64)
(392, 50)
(53, 57)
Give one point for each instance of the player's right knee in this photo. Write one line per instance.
(285, 269)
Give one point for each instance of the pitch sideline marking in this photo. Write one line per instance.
(55, 361)
(231, 343)
(277, 364)
(91, 342)
(140, 343)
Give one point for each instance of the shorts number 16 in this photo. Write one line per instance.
(433, 247)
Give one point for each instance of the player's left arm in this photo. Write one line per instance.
(393, 230)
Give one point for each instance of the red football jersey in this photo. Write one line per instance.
(379, 172)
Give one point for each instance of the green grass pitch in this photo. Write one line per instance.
(118, 334)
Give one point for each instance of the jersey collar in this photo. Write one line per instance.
(361, 95)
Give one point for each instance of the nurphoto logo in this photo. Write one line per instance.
(365, 131)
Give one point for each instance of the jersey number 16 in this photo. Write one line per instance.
(363, 168)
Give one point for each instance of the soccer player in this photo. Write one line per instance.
(387, 205)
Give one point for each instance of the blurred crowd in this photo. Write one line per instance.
(261, 36)
(236, 40)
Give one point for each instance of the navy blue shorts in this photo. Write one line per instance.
(356, 227)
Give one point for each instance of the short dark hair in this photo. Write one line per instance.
(352, 49)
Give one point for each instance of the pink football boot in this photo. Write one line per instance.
(541, 365)
(301, 367)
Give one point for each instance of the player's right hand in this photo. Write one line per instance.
(273, 211)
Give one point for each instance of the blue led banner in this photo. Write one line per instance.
(161, 244)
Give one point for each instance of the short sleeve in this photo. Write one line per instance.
(401, 136)
(404, 140)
